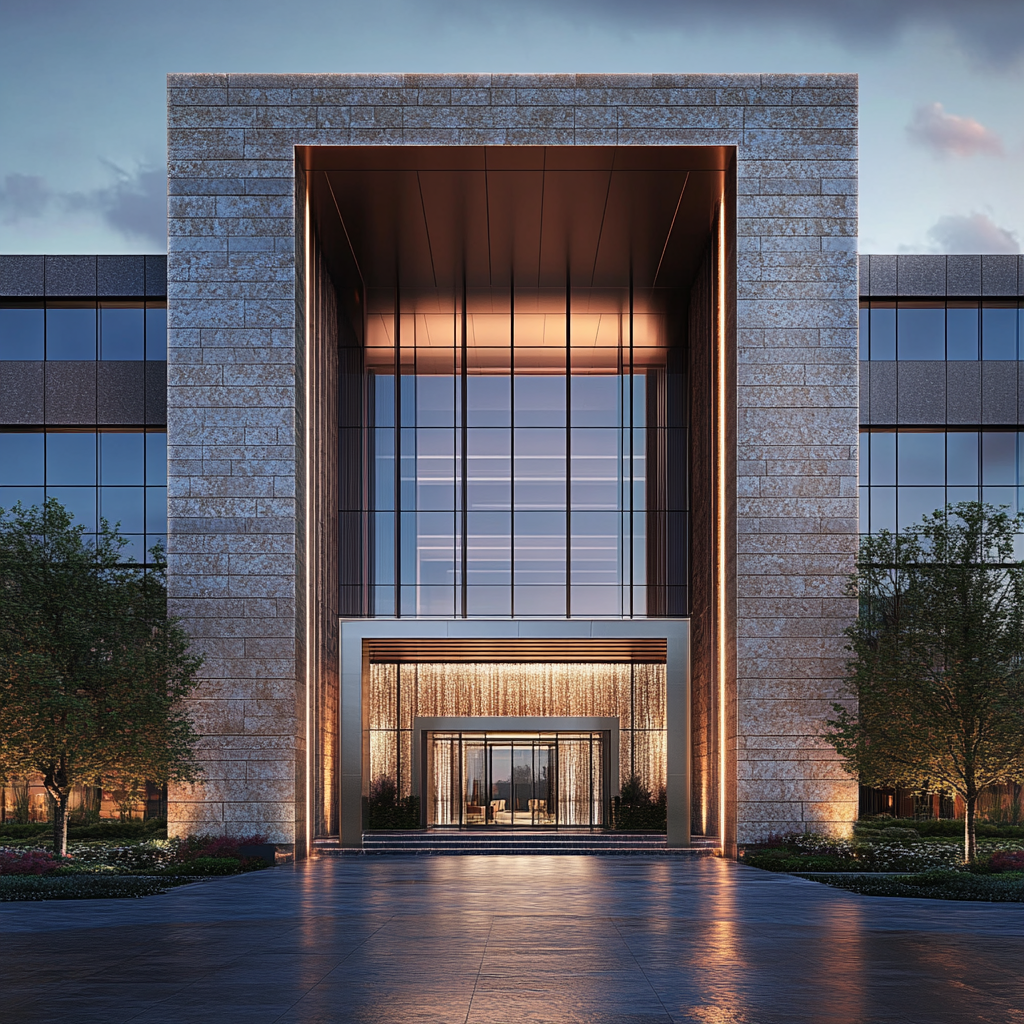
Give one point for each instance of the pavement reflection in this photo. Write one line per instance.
(629, 940)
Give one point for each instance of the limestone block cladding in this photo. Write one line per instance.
(236, 398)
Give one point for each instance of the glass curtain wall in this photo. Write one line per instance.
(517, 451)
(907, 474)
(954, 329)
(60, 330)
(117, 475)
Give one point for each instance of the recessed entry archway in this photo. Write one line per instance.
(605, 700)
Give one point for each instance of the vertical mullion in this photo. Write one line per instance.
(512, 444)
(398, 453)
(464, 455)
(568, 448)
(632, 525)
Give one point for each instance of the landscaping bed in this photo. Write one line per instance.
(111, 867)
(85, 887)
(935, 885)
(930, 866)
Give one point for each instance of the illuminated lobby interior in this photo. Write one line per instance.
(513, 476)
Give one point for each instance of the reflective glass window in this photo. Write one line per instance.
(93, 475)
(998, 458)
(123, 458)
(435, 400)
(21, 459)
(922, 458)
(596, 400)
(962, 330)
(594, 469)
(156, 458)
(539, 467)
(495, 482)
(999, 332)
(985, 466)
(539, 400)
(913, 503)
(883, 509)
(156, 510)
(21, 332)
(122, 331)
(962, 459)
(124, 507)
(156, 331)
(488, 469)
(883, 330)
(921, 331)
(71, 331)
(70, 458)
(883, 458)
(26, 496)
(863, 333)
(488, 401)
(80, 502)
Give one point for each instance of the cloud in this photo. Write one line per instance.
(973, 233)
(134, 203)
(947, 134)
(23, 195)
(991, 32)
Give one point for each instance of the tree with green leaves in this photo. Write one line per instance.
(93, 672)
(937, 673)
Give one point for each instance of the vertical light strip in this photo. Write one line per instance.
(309, 532)
(721, 545)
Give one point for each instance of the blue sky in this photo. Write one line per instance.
(82, 92)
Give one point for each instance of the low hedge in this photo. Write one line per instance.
(85, 887)
(215, 866)
(936, 828)
(152, 828)
(934, 885)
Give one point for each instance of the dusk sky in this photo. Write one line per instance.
(82, 106)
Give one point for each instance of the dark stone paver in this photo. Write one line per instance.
(488, 940)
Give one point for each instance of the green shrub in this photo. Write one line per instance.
(215, 866)
(83, 887)
(934, 828)
(937, 885)
(637, 810)
(152, 828)
(385, 810)
(781, 860)
(12, 830)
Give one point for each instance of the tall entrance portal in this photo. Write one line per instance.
(533, 725)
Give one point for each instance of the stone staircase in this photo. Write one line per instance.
(507, 842)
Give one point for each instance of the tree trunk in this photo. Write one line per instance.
(970, 834)
(60, 823)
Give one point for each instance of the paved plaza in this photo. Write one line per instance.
(629, 940)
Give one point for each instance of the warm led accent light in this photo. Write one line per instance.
(308, 544)
(519, 649)
(721, 520)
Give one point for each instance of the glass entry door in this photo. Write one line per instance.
(529, 780)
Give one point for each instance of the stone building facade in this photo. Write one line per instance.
(775, 479)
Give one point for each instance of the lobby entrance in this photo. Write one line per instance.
(517, 779)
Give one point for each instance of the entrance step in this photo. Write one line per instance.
(498, 842)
